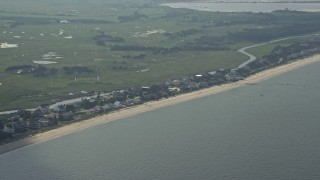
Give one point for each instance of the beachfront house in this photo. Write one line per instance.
(9, 128)
(15, 117)
(173, 90)
(98, 109)
(233, 75)
(108, 107)
(117, 104)
(21, 126)
(43, 122)
(67, 116)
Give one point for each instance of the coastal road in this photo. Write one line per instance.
(253, 58)
(242, 51)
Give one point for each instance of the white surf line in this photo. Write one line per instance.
(253, 58)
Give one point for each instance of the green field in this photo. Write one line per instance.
(35, 27)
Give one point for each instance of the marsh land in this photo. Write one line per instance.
(76, 46)
(122, 50)
(128, 112)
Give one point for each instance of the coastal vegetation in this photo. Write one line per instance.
(25, 122)
(37, 71)
(106, 46)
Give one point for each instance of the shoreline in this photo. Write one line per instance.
(268, 6)
(149, 106)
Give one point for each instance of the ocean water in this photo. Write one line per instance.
(270, 130)
(247, 7)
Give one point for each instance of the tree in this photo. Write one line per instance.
(71, 108)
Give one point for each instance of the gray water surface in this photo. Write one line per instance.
(247, 7)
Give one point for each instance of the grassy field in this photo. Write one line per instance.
(38, 28)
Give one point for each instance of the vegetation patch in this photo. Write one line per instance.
(77, 70)
(85, 38)
(102, 38)
(135, 16)
(183, 33)
(37, 71)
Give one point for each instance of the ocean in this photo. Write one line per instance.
(268, 130)
(256, 7)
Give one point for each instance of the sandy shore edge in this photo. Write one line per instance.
(127, 112)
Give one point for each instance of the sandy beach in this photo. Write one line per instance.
(127, 112)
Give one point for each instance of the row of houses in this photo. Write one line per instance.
(106, 102)
(43, 117)
(23, 121)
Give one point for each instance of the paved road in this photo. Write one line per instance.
(242, 50)
(253, 58)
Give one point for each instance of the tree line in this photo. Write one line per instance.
(102, 38)
(42, 71)
(77, 70)
(162, 50)
(265, 34)
(37, 71)
(135, 16)
(182, 33)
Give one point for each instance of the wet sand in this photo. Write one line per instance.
(127, 112)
